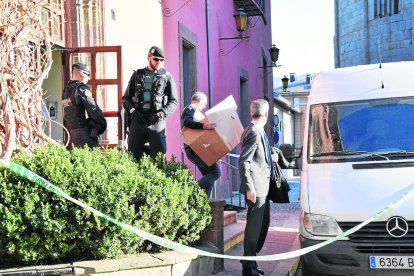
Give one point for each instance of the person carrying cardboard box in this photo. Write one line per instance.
(190, 118)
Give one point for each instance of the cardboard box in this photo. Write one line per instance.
(211, 145)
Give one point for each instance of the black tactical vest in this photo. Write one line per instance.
(74, 112)
(157, 100)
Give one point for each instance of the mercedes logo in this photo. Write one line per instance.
(397, 227)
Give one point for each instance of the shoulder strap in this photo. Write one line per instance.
(162, 72)
(139, 72)
(82, 87)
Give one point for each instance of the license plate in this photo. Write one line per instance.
(391, 262)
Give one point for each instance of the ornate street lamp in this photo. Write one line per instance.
(274, 54)
(285, 83)
(241, 21)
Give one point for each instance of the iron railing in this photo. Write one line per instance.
(229, 182)
(228, 185)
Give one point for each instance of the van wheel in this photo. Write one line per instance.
(305, 271)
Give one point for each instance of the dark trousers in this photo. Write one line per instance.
(140, 134)
(80, 137)
(258, 220)
(210, 173)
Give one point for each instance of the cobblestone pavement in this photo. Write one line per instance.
(282, 237)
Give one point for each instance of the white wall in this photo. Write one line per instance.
(137, 27)
(52, 87)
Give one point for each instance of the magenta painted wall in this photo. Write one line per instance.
(226, 66)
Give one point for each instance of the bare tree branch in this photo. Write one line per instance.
(25, 61)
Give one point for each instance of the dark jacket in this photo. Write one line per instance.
(279, 187)
(77, 98)
(187, 118)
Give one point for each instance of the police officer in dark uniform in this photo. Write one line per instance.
(150, 97)
(77, 98)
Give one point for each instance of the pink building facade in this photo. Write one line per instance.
(201, 60)
(194, 35)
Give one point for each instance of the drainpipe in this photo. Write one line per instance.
(210, 82)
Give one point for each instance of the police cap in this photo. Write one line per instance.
(81, 66)
(156, 52)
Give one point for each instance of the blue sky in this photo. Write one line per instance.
(303, 30)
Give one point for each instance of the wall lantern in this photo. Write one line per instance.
(285, 83)
(274, 54)
(240, 17)
(241, 20)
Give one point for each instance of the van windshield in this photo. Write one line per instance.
(380, 129)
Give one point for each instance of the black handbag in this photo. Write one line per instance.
(278, 187)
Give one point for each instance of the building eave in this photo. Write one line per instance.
(282, 102)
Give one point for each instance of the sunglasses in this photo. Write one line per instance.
(158, 59)
(84, 73)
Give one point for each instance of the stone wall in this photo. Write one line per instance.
(361, 33)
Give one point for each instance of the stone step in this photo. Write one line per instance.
(233, 234)
(229, 217)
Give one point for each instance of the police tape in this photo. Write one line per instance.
(24, 172)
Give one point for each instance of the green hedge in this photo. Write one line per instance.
(38, 227)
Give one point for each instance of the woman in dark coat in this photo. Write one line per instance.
(279, 187)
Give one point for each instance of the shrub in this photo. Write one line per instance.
(39, 227)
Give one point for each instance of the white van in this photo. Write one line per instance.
(358, 157)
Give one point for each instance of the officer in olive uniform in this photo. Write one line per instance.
(150, 97)
(77, 97)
